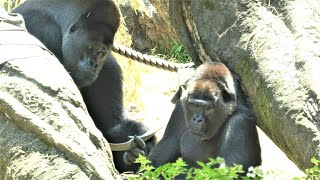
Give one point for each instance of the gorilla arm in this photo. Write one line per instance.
(168, 148)
(104, 101)
(240, 143)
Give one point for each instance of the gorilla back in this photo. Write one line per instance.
(212, 119)
(80, 34)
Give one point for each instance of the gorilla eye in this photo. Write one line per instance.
(73, 28)
(227, 97)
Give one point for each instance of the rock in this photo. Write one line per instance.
(46, 131)
(150, 25)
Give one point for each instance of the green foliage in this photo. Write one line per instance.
(214, 169)
(175, 53)
(314, 172)
(206, 170)
(10, 4)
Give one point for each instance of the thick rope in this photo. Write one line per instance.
(148, 59)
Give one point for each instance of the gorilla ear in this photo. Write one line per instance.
(227, 89)
(179, 94)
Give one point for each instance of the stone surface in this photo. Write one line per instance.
(45, 129)
(150, 25)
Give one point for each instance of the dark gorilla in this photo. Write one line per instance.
(212, 119)
(80, 34)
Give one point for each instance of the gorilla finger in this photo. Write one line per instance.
(140, 143)
(149, 146)
(125, 159)
(136, 151)
(129, 158)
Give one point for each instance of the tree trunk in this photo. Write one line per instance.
(274, 47)
(45, 129)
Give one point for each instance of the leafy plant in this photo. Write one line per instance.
(314, 172)
(176, 52)
(214, 169)
(10, 4)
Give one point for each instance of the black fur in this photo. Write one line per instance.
(80, 34)
(213, 119)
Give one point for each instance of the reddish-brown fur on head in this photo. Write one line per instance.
(204, 87)
(207, 76)
(213, 71)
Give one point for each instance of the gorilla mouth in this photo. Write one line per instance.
(84, 77)
(91, 74)
(199, 132)
(199, 129)
(88, 74)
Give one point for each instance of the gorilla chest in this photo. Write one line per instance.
(193, 149)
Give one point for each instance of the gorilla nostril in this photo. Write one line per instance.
(198, 120)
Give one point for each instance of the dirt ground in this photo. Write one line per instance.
(156, 90)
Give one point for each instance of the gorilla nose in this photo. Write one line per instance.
(95, 57)
(198, 118)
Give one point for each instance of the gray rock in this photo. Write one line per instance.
(150, 25)
(45, 129)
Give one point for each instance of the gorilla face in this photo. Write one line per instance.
(209, 101)
(86, 45)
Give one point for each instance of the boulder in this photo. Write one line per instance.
(45, 129)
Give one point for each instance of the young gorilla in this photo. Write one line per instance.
(80, 34)
(212, 119)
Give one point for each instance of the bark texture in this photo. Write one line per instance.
(274, 47)
(45, 129)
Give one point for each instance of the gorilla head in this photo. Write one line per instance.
(87, 42)
(79, 32)
(209, 99)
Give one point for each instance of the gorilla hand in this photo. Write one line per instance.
(131, 155)
(126, 152)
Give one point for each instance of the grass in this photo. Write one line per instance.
(132, 74)
(175, 52)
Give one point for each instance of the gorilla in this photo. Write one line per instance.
(80, 34)
(212, 119)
